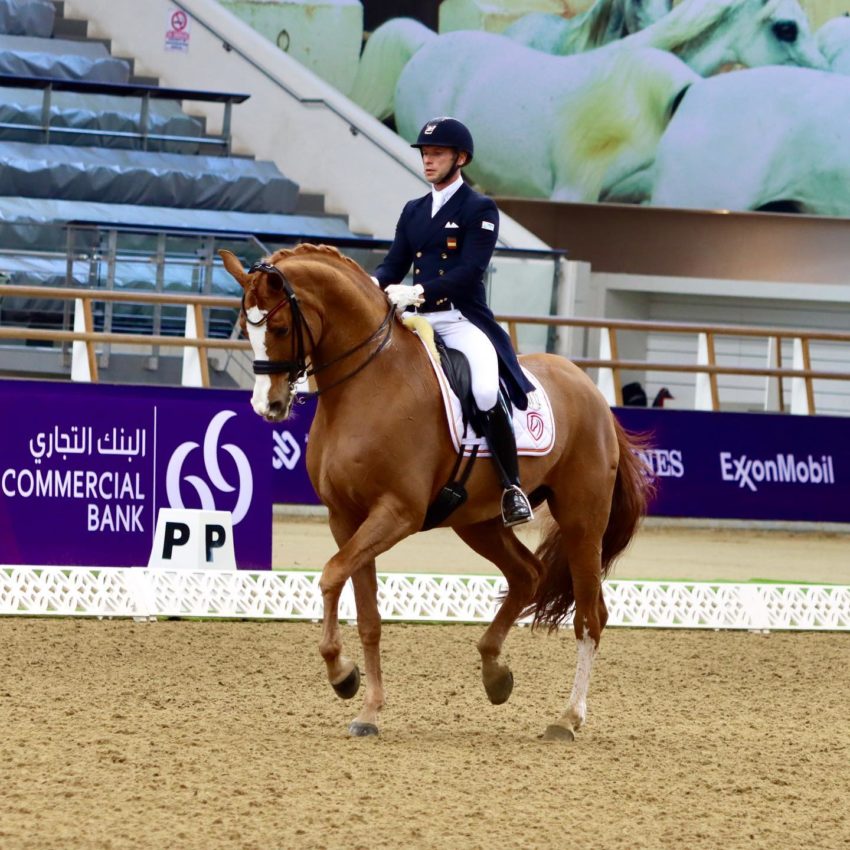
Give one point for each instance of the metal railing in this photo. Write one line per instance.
(610, 366)
(145, 94)
(706, 368)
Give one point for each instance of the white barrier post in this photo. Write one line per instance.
(80, 366)
(192, 374)
(188, 539)
(800, 401)
(605, 378)
(702, 383)
(772, 384)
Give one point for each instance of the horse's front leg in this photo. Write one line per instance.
(522, 571)
(385, 525)
(369, 627)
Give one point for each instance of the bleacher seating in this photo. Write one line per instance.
(86, 118)
(27, 17)
(83, 140)
(64, 59)
(144, 177)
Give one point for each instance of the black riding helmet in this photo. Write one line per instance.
(446, 133)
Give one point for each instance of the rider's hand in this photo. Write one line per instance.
(405, 296)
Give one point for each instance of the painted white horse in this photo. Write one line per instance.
(604, 21)
(762, 139)
(834, 42)
(706, 34)
(559, 127)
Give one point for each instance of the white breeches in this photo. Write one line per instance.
(458, 332)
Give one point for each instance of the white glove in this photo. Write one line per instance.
(405, 296)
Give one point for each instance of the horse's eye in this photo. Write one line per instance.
(281, 331)
(786, 31)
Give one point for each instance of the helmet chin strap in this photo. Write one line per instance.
(452, 170)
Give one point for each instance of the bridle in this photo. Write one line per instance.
(297, 368)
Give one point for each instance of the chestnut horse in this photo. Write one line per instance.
(380, 451)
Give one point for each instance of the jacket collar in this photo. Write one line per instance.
(445, 213)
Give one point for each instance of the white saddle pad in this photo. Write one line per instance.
(534, 428)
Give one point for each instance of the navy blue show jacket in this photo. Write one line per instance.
(450, 254)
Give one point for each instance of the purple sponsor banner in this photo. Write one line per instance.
(759, 466)
(84, 468)
(290, 482)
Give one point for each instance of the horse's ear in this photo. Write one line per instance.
(234, 267)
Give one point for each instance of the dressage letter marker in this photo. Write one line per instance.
(193, 540)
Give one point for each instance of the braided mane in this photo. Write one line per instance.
(328, 251)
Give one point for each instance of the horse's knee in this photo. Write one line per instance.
(331, 582)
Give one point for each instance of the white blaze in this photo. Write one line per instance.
(257, 338)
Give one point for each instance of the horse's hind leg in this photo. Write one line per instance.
(581, 547)
(522, 571)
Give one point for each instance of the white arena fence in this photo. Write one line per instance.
(143, 593)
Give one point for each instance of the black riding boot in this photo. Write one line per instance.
(499, 433)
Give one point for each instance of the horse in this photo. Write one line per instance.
(770, 139)
(705, 34)
(558, 127)
(833, 39)
(604, 21)
(379, 451)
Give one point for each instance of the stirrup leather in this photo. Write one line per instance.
(516, 509)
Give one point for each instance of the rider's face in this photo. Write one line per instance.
(438, 164)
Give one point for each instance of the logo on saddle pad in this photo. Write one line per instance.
(243, 488)
(535, 424)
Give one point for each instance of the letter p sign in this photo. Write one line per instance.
(193, 540)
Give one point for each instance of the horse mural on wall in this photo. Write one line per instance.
(571, 128)
(833, 39)
(377, 466)
(705, 34)
(603, 22)
(559, 127)
(771, 139)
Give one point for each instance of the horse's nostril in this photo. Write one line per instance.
(275, 408)
(786, 31)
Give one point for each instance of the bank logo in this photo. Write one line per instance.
(286, 451)
(244, 485)
(782, 469)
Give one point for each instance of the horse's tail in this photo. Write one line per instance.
(388, 50)
(633, 489)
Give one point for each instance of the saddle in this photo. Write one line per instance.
(456, 369)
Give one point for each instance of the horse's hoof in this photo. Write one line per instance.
(348, 687)
(358, 729)
(498, 690)
(554, 732)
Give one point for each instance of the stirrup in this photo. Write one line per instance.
(516, 509)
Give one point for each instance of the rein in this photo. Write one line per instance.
(297, 368)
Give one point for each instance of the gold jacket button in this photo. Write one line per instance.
(418, 253)
(416, 271)
(444, 256)
(440, 272)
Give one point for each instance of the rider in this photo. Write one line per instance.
(449, 236)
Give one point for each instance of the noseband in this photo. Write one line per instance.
(296, 369)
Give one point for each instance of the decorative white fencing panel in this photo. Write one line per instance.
(152, 593)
